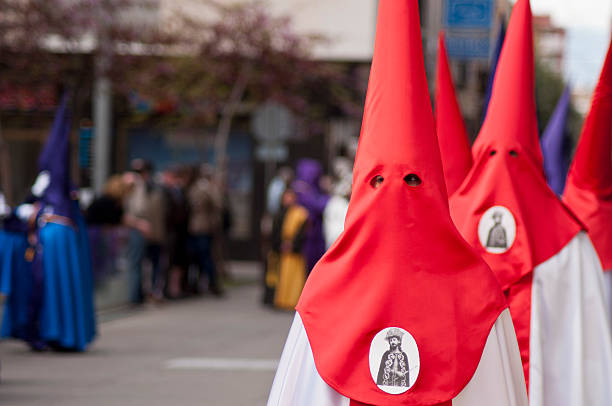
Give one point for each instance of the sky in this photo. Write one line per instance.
(588, 24)
(577, 13)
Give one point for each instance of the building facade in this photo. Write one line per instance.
(550, 42)
(349, 27)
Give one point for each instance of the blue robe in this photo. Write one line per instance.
(67, 317)
(49, 300)
(15, 284)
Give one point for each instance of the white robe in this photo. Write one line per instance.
(498, 379)
(5, 210)
(333, 219)
(570, 342)
(608, 290)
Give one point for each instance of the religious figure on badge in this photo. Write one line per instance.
(497, 235)
(394, 369)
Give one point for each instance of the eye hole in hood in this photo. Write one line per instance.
(413, 180)
(377, 181)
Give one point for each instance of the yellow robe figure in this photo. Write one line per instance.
(292, 263)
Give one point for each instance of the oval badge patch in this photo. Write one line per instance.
(497, 230)
(394, 360)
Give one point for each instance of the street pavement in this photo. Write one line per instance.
(203, 351)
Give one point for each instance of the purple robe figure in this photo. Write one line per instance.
(311, 197)
(554, 145)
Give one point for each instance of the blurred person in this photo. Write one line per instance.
(15, 275)
(176, 181)
(272, 257)
(154, 215)
(107, 209)
(5, 209)
(307, 187)
(269, 227)
(337, 207)
(109, 226)
(59, 298)
(205, 201)
(273, 254)
(288, 243)
(276, 188)
(221, 237)
(136, 206)
(326, 184)
(157, 237)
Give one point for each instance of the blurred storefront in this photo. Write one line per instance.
(349, 26)
(26, 112)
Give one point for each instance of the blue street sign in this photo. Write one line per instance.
(469, 13)
(468, 47)
(85, 138)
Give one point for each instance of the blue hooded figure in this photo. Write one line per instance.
(60, 305)
(15, 276)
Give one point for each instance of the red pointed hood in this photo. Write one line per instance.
(386, 270)
(452, 135)
(514, 108)
(589, 186)
(508, 168)
(505, 208)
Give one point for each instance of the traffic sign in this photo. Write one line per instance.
(468, 46)
(272, 152)
(272, 123)
(469, 13)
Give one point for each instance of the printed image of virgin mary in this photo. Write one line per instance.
(497, 235)
(394, 369)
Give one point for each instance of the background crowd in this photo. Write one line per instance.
(306, 211)
(174, 224)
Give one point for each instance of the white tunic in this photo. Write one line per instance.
(608, 291)
(570, 341)
(333, 219)
(498, 379)
(5, 210)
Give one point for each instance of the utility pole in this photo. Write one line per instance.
(102, 103)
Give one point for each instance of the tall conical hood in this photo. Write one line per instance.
(554, 145)
(398, 111)
(452, 135)
(592, 166)
(385, 273)
(495, 60)
(56, 136)
(55, 161)
(589, 185)
(505, 208)
(512, 108)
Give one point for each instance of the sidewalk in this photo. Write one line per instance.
(193, 352)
